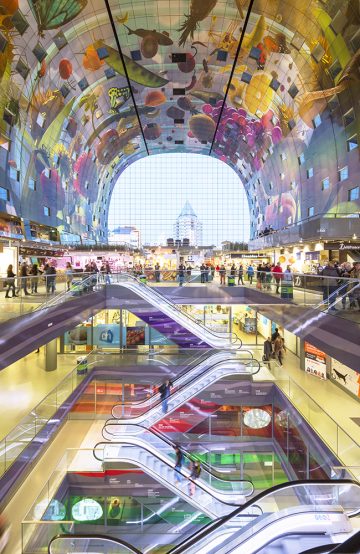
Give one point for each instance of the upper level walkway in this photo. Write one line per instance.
(325, 329)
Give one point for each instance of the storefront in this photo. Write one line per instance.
(112, 331)
(343, 251)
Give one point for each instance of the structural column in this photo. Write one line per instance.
(51, 355)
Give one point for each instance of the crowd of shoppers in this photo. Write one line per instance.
(29, 276)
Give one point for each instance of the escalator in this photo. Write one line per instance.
(160, 442)
(165, 316)
(318, 507)
(188, 385)
(229, 341)
(280, 520)
(212, 495)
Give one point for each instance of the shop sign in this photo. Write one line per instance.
(341, 246)
(315, 361)
(253, 256)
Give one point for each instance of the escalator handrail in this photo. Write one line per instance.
(209, 527)
(158, 402)
(154, 453)
(173, 306)
(59, 297)
(190, 457)
(188, 370)
(120, 542)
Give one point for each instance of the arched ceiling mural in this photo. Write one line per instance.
(89, 86)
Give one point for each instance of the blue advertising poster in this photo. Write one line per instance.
(106, 335)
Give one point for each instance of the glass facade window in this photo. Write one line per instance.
(349, 117)
(311, 211)
(317, 121)
(353, 194)
(325, 183)
(344, 173)
(4, 194)
(352, 143)
(310, 172)
(46, 211)
(301, 159)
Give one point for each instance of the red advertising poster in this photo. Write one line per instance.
(315, 361)
(135, 336)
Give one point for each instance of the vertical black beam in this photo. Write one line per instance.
(113, 26)
(246, 21)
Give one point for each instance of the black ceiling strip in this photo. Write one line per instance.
(246, 21)
(126, 72)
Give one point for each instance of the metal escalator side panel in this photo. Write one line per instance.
(61, 543)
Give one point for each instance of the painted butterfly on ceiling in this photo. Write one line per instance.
(52, 14)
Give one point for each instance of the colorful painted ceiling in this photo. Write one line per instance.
(89, 86)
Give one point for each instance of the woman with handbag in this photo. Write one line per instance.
(10, 282)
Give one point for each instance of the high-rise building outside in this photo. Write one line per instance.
(128, 234)
(188, 226)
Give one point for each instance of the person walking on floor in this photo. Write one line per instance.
(34, 281)
(181, 274)
(179, 459)
(202, 273)
(50, 276)
(268, 276)
(157, 273)
(267, 350)
(195, 470)
(69, 276)
(222, 272)
(24, 278)
(164, 391)
(260, 276)
(10, 282)
(188, 273)
(241, 275)
(330, 274)
(250, 273)
(275, 335)
(277, 274)
(279, 349)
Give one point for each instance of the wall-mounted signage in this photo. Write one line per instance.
(342, 246)
(346, 377)
(11, 229)
(315, 361)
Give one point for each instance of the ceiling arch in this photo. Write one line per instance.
(90, 86)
